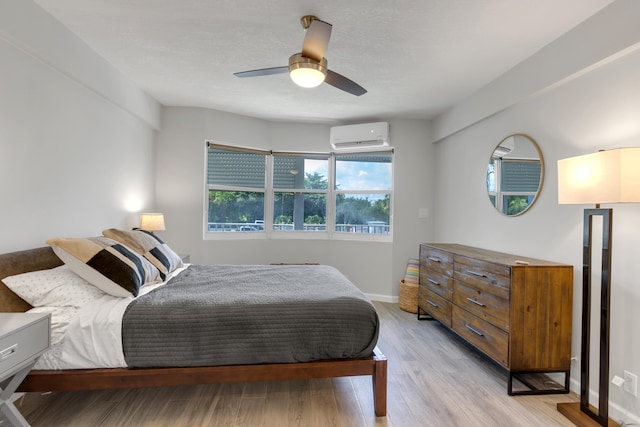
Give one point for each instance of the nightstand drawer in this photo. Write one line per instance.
(24, 343)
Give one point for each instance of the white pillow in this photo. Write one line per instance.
(57, 287)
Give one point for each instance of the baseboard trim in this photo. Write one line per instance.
(383, 298)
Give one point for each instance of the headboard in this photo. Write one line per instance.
(22, 262)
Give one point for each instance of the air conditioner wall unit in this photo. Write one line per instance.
(360, 136)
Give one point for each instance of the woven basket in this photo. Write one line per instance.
(408, 297)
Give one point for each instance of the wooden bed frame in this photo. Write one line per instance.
(96, 379)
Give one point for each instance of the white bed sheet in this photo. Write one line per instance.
(89, 337)
(60, 319)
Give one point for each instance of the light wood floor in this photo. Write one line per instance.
(434, 379)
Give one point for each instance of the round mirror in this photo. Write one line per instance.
(515, 174)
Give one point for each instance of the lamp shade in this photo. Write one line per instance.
(152, 221)
(611, 176)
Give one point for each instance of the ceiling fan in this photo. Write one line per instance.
(309, 67)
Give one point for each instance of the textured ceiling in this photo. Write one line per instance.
(416, 58)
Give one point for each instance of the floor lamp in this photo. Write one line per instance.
(611, 176)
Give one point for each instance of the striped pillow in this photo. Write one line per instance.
(150, 246)
(106, 264)
(413, 271)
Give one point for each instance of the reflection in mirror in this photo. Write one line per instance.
(515, 174)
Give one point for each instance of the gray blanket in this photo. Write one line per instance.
(229, 315)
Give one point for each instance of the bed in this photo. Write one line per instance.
(42, 380)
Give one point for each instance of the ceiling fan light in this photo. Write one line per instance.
(306, 72)
(307, 77)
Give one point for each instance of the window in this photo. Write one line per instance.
(300, 187)
(513, 183)
(270, 194)
(236, 187)
(363, 193)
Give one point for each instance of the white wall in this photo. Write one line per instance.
(77, 155)
(375, 267)
(599, 108)
(76, 137)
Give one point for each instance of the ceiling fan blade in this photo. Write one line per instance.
(262, 72)
(341, 82)
(316, 40)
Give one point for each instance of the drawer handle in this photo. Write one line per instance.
(476, 274)
(432, 304)
(433, 259)
(476, 302)
(433, 282)
(8, 352)
(475, 331)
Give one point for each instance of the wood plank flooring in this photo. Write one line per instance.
(435, 379)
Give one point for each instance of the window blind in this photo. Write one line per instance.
(520, 176)
(236, 168)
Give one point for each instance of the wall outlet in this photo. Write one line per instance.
(630, 383)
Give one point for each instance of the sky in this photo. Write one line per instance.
(352, 175)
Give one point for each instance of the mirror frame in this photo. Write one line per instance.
(542, 173)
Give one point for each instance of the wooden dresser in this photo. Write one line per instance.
(516, 310)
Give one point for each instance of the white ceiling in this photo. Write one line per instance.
(416, 58)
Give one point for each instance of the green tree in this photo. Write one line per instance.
(360, 210)
(380, 209)
(352, 209)
(314, 219)
(517, 204)
(283, 219)
(315, 205)
(315, 181)
(235, 206)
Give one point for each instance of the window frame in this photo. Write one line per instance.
(269, 196)
(207, 235)
(342, 235)
(498, 195)
(300, 234)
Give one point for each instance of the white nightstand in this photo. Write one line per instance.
(23, 337)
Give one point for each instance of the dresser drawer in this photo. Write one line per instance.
(23, 344)
(490, 277)
(437, 283)
(436, 260)
(486, 306)
(486, 337)
(436, 306)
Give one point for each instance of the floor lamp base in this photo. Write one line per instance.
(573, 412)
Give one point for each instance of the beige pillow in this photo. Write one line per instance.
(106, 264)
(150, 246)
